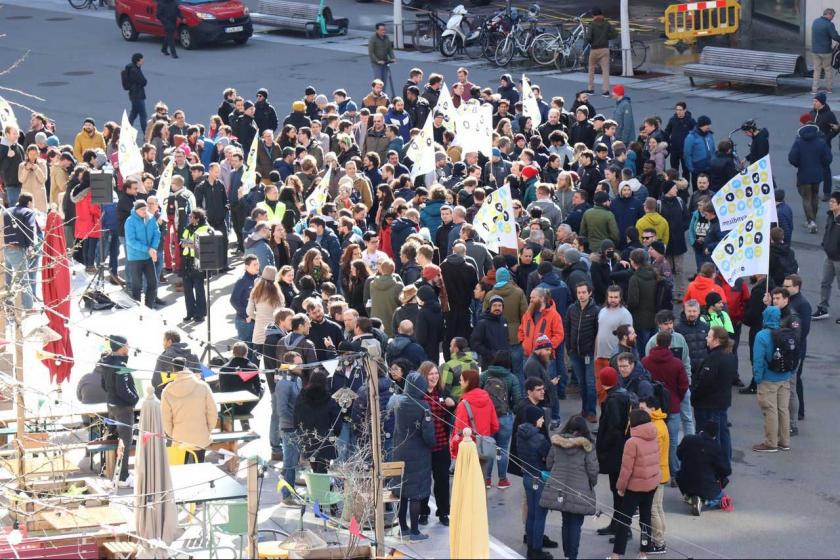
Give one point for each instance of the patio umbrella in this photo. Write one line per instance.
(55, 279)
(469, 536)
(155, 516)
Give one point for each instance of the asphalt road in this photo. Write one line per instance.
(786, 505)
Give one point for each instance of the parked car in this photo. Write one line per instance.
(201, 21)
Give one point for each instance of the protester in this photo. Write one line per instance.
(189, 412)
(533, 447)
(122, 397)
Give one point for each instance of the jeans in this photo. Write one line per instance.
(810, 194)
(554, 403)
(736, 341)
(560, 369)
(797, 403)
(382, 72)
(344, 442)
(678, 164)
(138, 270)
(773, 398)
(12, 194)
(517, 357)
(124, 416)
(440, 477)
(673, 423)
(572, 523)
(699, 258)
(244, 330)
(502, 438)
(291, 457)
(718, 415)
(632, 500)
(830, 273)
(20, 271)
(585, 374)
(827, 176)
(686, 415)
(89, 247)
(535, 521)
(194, 296)
(275, 438)
(109, 246)
(138, 109)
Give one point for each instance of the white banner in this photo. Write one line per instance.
(494, 221)
(475, 128)
(129, 156)
(421, 150)
(7, 116)
(447, 108)
(746, 249)
(530, 107)
(744, 193)
(165, 182)
(318, 197)
(249, 177)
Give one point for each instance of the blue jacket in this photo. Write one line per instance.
(627, 212)
(810, 154)
(430, 216)
(401, 228)
(110, 221)
(401, 120)
(208, 151)
(241, 291)
(140, 236)
(558, 289)
(532, 448)
(623, 116)
(330, 243)
(698, 150)
(259, 246)
(286, 392)
(414, 437)
(785, 214)
(19, 226)
(283, 168)
(822, 33)
(763, 348)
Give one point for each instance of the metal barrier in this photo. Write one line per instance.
(700, 19)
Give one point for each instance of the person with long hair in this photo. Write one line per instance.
(160, 140)
(317, 419)
(288, 137)
(289, 197)
(263, 301)
(351, 253)
(484, 421)
(359, 273)
(313, 265)
(388, 218)
(382, 201)
(279, 246)
(503, 129)
(570, 488)
(441, 405)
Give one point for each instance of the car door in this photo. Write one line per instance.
(146, 16)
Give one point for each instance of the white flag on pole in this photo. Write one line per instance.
(494, 221)
(129, 157)
(165, 182)
(316, 200)
(445, 106)
(7, 116)
(249, 177)
(744, 193)
(475, 128)
(746, 249)
(421, 150)
(530, 107)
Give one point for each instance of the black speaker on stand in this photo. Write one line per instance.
(101, 187)
(210, 250)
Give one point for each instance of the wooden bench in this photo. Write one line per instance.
(293, 16)
(744, 66)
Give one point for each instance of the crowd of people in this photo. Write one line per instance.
(394, 268)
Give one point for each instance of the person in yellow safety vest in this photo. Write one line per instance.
(272, 204)
(193, 278)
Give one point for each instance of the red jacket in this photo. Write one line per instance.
(484, 413)
(670, 371)
(88, 215)
(700, 287)
(550, 324)
(736, 299)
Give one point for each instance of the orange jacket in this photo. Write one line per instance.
(550, 324)
(700, 287)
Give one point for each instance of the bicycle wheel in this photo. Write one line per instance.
(489, 44)
(544, 49)
(79, 4)
(504, 52)
(424, 38)
(474, 48)
(638, 51)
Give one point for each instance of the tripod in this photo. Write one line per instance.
(209, 348)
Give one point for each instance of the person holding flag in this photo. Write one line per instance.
(530, 106)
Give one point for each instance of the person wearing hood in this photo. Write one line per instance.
(699, 147)
(173, 348)
(264, 113)
(657, 418)
(705, 469)
(507, 89)
(550, 280)
(623, 116)
(118, 384)
(414, 438)
(532, 447)
(669, 370)
(678, 127)
(598, 222)
(773, 386)
(491, 333)
(240, 374)
(637, 482)
(188, 411)
(810, 154)
(654, 220)
(570, 488)
(404, 345)
(317, 419)
(575, 271)
(429, 329)
(626, 207)
(383, 292)
(515, 306)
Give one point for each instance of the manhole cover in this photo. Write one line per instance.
(60, 18)
(53, 84)
(19, 17)
(78, 73)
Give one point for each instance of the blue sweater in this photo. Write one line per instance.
(241, 291)
(763, 349)
(140, 236)
(822, 33)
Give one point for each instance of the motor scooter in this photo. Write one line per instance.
(458, 33)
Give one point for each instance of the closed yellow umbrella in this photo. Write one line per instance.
(469, 536)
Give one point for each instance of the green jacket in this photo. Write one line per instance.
(599, 223)
(720, 319)
(380, 49)
(451, 372)
(599, 33)
(514, 390)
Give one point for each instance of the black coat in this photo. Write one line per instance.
(325, 329)
(414, 437)
(582, 132)
(532, 447)
(317, 419)
(213, 199)
(459, 278)
(136, 82)
(704, 467)
(489, 336)
(613, 430)
(711, 384)
(694, 333)
(119, 386)
(429, 330)
(167, 13)
(721, 169)
(676, 213)
(245, 129)
(265, 116)
(676, 130)
(581, 328)
(760, 146)
(518, 418)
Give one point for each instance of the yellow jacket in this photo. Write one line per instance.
(658, 417)
(658, 223)
(84, 142)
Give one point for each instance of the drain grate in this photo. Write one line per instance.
(19, 17)
(52, 84)
(78, 73)
(59, 18)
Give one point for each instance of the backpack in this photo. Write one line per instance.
(785, 350)
(664, 298)
(498, 391)
(126, 85)
(835, 57)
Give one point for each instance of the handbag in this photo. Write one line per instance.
(485, 445)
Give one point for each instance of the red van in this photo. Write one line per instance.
(201, 21)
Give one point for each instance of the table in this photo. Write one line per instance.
(69, 519)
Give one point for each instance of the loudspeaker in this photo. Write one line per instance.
(210, 249)
(101, 188)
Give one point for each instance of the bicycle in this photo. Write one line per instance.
(559, 48)
(82, 4)
(519, 39)
(491, 32)
(426, 36)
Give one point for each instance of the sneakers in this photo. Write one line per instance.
(417, 537)
(784, 447)
(488, 484)
(764, 448)
(656, 549)
(794, 431)
(747, 390)
(548, 543)
(726, 504)
(503, 484)
(812, 227)
(819, 314)
(696, 506)
(605, 94)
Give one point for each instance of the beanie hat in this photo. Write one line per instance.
(138, 204)
(805, 118)
(496, 298)
(608, 377)
(53, 141)
(309, 91)
(511, 261)
(430, 272)
(248, 104)
(543, 343)
(321, 99)
(496, 152)
(263, 92)
(89, 120)
(426, 294)
(606, 245)
(618, 90)
(269, 273)
(298, 106)
(545, 267)
(713, 298)
(351, 106)
(40, 137)
(532, 414)
(601, 197)
(658, 246)
(502, 278)
(116, 342)
(820, 97)
(529, 172)
(572, 256)
(703, 121)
